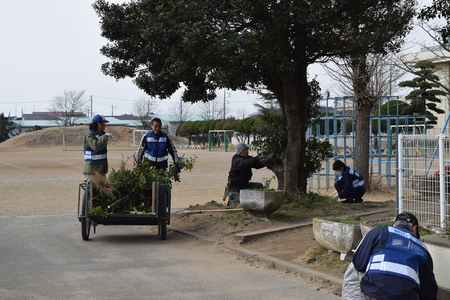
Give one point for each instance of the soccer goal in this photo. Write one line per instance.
(221, 137)
(137, 136)
(38, 140)
(71, 141)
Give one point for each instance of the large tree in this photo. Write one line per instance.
(372, 31)
(235, 44)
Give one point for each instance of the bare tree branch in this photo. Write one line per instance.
(66, 109)
(143, 108)
(383, 72)
(181, 111)
(211, 110)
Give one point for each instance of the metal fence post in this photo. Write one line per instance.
(400, 172)
(442, 175)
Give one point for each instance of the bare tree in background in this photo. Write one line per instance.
(211, 110)
(66, 109)
(181, 111)
(143, 108)
(367, 77)
(241, 114)
(384, 75)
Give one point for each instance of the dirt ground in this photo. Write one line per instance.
(40, 181)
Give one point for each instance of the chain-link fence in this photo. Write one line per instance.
(424, 178)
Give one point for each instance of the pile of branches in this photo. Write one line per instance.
(130, 190)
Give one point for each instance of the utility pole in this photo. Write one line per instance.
(91, 106)
(224, 101)
(112, 110)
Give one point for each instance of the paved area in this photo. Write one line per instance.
(44, 257)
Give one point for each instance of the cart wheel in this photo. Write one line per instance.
(85, 222)
(163, 229)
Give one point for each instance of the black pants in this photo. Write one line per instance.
(356, 193)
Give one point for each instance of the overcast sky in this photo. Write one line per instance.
(49, 46)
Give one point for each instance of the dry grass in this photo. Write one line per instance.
(376, 185)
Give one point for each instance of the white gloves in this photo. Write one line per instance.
(335, 197)
(108, 134)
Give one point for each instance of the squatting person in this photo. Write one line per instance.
(241, 173)
(350, 184)
(396, 263)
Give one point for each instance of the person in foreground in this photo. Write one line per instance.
(397, 265)
(156, 146)
(95, 151)
(350, 184)
(241, 173)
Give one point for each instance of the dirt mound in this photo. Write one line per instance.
(70, 136)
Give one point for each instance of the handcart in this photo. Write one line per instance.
(160, 214)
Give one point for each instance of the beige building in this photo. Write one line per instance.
(441, 58)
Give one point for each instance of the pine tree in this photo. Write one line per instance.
(424, 96)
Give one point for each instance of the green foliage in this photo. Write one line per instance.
(130, 190)
(438, 9)
(326, 119)
(245, 127)
(206, 45)
(6, 127)
(317, 151)
(423, 98)
(351, 220)
(269, 139)
(390, 108)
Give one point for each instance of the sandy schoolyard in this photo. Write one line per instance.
(40, 181)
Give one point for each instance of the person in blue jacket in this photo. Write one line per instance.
(350, 184)
(95, 148)
(396, 263)
(156, 147)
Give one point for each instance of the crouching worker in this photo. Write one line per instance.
(350, 185)
(396, 263)
(241, 173)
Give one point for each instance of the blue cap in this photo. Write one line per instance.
(99, 118)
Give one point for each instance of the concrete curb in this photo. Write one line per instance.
(281, 264)
(242, 237)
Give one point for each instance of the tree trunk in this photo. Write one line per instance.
(362, 139)
(296, 118)
(363, 104)
(276, 166)
(291, 155)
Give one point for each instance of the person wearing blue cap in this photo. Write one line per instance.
(241, 173)
(95, 150)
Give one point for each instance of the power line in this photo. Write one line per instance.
(102, 97)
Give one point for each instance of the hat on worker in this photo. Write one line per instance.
(406, 218)
(99, 118)
(240, 147)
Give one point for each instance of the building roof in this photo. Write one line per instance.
(42, 120)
